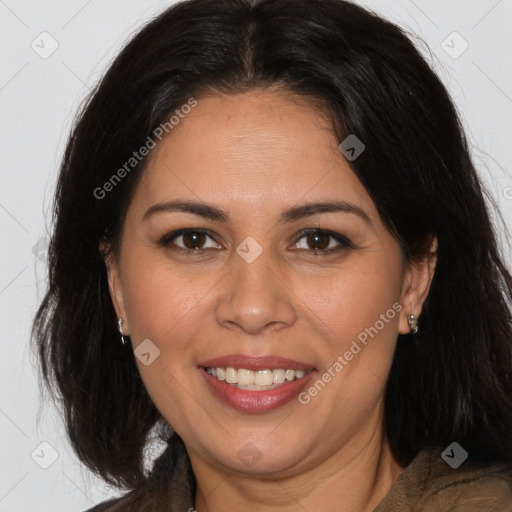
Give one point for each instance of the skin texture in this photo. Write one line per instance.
(255, 155)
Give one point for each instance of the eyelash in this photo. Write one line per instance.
(344, 242)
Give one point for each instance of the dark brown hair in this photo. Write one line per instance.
(453, 383)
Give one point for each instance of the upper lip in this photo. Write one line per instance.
(253, 362)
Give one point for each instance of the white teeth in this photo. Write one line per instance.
(263, 378)
(255, 380)
(278, 376)
(231, 376)
(245, 377)
(290, 374)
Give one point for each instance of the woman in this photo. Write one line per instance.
(271, 246)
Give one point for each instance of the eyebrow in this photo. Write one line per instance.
(292, 214)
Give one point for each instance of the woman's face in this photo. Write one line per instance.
(255, 294)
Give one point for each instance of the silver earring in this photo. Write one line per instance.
(120, 325)
(413, 323)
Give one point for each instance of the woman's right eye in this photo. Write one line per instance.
(189, 240)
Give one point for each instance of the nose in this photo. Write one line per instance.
(254, 297)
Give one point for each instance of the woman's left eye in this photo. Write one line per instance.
(323, 242)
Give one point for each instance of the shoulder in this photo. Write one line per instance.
(470, 487)
(430, 484)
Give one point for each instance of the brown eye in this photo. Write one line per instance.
(193, 239)
(318, 241)
(322, 242)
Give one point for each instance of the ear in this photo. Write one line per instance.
(115, 285)
(416, 285)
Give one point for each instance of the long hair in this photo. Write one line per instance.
(455, 383)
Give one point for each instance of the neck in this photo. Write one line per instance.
(353, 479)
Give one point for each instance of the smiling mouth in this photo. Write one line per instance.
(258, 380)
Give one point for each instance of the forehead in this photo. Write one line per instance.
(249, 150)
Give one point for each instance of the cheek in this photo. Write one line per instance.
(358, 315)
(166, 305)
(357, 298)
(358, 312)
(162, 299)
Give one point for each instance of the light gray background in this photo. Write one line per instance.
(38, 99)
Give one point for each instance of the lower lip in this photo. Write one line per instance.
(256, 401)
